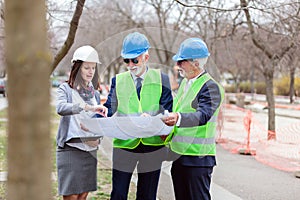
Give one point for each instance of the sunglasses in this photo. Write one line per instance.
(133, 60)
(179, 62)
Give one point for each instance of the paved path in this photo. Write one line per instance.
(277, 154)
(243, 176)
(165, 190)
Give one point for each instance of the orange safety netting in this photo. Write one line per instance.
(241, 130)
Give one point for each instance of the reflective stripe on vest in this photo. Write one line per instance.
(193, 140)
(198, 140)
(128, 103)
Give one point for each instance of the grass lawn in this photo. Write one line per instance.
(104, 170)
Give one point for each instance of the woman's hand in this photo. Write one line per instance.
(100, 109)
(83, 127)
(92, 143)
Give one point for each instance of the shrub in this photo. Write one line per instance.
(245, 87)
(260, 87)
(230, 88)
(282, 86)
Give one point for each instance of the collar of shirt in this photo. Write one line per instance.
(191, 81)
(141, 76)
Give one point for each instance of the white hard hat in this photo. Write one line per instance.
(86, 54)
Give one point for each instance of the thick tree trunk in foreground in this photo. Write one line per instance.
(28, 67)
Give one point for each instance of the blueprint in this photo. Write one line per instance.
(127, 127)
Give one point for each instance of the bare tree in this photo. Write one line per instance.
(291, 62)
(28, 61)
(289, 25)
(167, 37)
(159, 23)
(105, 25)
(274, 56)
(103, 28)
(269, 25)
(237, 59)
(216, 26)
(71, 35)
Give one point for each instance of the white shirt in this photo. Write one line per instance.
(186, 88)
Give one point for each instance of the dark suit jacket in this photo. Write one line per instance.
(206, 103)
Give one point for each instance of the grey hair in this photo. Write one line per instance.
(144, 54)
(201, 61)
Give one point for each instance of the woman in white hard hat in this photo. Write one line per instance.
(76, 154)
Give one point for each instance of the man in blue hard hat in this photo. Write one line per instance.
(195, 111)
(139, 91)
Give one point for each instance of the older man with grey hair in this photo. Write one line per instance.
(195, 111)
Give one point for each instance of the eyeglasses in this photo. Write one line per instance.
(179, 62)
(133, 60)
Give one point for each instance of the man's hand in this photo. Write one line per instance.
(163, 137)
(145, 115)
(171, 120)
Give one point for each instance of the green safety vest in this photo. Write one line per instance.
(128, 103)
(197, 140)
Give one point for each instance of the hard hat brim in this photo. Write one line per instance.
(134, 54)
(177, 58)
(74, 60)
(131, 55)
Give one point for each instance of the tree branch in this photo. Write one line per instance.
(71, 35)
(255, 38)
(231, 9)
(203, 6)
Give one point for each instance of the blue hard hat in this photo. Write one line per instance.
(191, 48)
(134, 45)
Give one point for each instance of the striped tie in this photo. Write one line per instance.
(138, 86)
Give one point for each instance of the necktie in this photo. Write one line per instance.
(138, 86)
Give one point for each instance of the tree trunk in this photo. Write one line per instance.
(292, 84)
(28, 68)
(271, 103)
